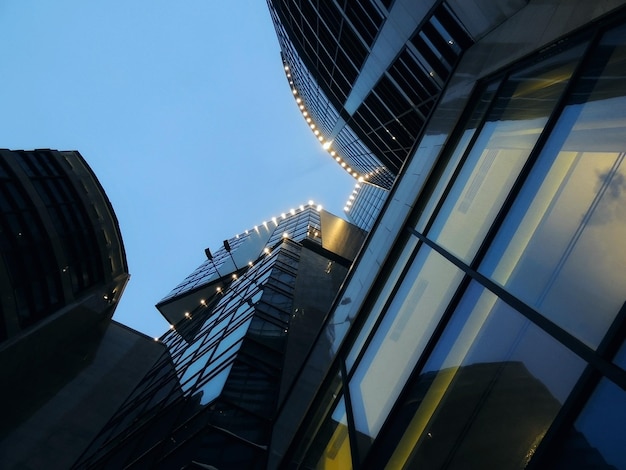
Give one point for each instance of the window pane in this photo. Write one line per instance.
(331, 448)
(508, 136)
(456, 154)
(598, 439)
(381, 299)
(561, 248)
(401, 338)
(494, 382)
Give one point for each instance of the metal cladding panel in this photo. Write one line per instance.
(340, 236)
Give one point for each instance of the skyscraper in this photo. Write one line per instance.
(492, 285)
(62, 272)
(242, 324)
(367, 75)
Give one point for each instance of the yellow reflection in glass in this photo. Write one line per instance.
(415, 434)
(337, 455)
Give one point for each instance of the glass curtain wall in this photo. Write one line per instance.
(509, 289)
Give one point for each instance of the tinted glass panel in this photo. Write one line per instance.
(331, 449)
(381, 299)
(459, 150)
(598, 439)
(488, 393)
(508, 136)
(560, 249)
(400, 339)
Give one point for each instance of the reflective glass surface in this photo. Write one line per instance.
(331, 449)
(597, 439)
(487, 394)
(512, 127)
(381, 299)
(400, 339)
(620, 357)
(456, 155)
(561, 247)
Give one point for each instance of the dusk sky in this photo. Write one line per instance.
(182, 110)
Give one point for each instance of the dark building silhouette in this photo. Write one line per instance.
(65, 367)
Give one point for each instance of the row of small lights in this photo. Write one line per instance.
(351, 198)
(266, 250)
(283, 216)
(326, 144)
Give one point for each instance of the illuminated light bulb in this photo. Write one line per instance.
(294, 91)
(301, 208)
(286, 67)
(250, 263)
(283, 215)
(246, 232)
(320, 138)
(285, 235)
(292, 211)
(156, 339)
(316, 132)
(351, 197)
(361, 179)
(187, 314)
(234, 278)
(308, 119)
(301, 106)
(311, 203)
(266, 251)
(357, 186)
(355, 174)
(298, 100)
(319, 208)
(288, 75)
(256, 228)
(326, 145)
(171, 327)
(338, 159)
(237, 236)
(275, 220)
(349, 170)
(203, 302)
(305, 114)
(343, 164)
(333, 153)
(346, 209)
(219, 289)
(312, 126)
(349, 203)
(451, 42)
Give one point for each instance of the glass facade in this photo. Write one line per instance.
(495, 339)
(364, 204)
(212, 396)
(329, 49)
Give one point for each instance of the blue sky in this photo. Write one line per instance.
(183, 111)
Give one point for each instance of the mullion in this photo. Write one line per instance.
(574, 344)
